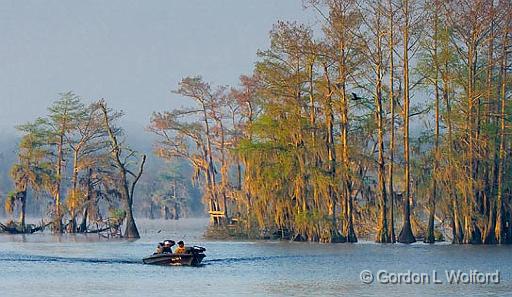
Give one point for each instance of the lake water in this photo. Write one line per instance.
(46, 265)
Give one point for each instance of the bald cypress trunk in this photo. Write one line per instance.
(406, 235)
(23, 212)
(491, 168)
(500, 231)
(391, 191)
(429, 236)
(57, 222)
(382, 224)
(471, 231)
(331, 155)
(127, 188)
(349, 232)
(457, 233)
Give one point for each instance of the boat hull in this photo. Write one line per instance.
(174, 259)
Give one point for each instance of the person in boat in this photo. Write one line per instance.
(168, 246)
(181, 248)
(159, 248)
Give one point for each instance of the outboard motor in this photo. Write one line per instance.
(197, 249)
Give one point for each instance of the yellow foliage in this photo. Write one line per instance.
(9, 202)
(74, 199)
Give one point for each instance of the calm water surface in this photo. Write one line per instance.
(46, 265)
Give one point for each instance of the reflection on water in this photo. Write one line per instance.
(86, 265)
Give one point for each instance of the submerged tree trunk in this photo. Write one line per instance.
(382, 224)
(131, 230)
(83, 223)
(349, 232)
(331, 155)
(406, 235)
(74, 184)
(500, 205)
(348, 229)
(166, 214)
(57, 222)
(471, 231)
(491, 168)
(392, 236)
(87, 203)
(23, 213)
(430, 236)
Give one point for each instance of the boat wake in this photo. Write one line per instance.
(50, 259)
(245, 259)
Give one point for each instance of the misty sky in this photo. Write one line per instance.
(132, 53)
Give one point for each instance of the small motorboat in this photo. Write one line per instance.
(192, 257)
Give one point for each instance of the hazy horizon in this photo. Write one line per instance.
(132, 54)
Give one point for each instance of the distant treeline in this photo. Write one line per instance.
(316, 144)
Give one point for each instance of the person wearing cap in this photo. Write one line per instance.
(167, 246)
(181, 248)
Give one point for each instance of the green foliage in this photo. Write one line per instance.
(117, 214)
